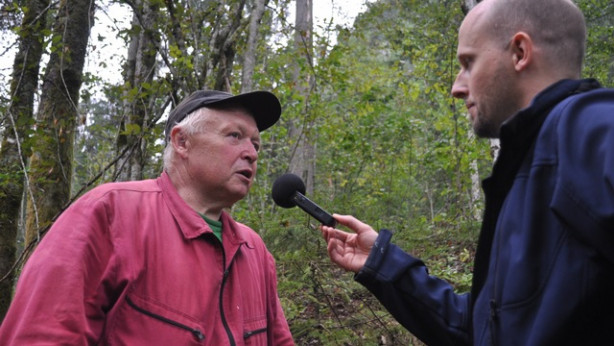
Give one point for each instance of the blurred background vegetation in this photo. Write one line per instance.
(368, 122)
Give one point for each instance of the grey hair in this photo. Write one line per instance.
(191, 124)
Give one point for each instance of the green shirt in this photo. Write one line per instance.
(216, 226)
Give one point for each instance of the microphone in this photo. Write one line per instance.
(288, 191)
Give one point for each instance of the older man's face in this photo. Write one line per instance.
(221, 160)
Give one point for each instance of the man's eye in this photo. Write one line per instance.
(466, 62)
(235, 134)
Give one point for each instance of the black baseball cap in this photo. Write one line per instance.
(262, 105)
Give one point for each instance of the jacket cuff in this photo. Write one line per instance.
(378, 252)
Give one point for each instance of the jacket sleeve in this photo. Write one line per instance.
(60, 296)
(584, 193)
(425, 305)
(279, 331)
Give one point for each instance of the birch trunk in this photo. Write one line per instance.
(302, 162)
(476, 187)
(249, 60)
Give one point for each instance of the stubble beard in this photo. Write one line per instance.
(498, 106)
(484, 127)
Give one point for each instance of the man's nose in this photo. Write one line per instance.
(250, 153)
(459, 88)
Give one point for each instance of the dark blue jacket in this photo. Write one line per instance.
(544, 267)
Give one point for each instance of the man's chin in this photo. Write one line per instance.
(238, 193)
(483, 130)
(481, 133)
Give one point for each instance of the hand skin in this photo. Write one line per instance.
(349, 250)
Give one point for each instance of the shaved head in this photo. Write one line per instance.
(509, 51)
(556, 26)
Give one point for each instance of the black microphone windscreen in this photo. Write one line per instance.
(285, 187)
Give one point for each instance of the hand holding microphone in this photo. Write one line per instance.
(288, 191)
(349, 250)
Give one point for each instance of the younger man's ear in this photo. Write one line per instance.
(522, 50)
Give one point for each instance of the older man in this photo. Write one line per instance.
(160, 262)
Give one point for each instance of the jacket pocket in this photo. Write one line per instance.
(172, 319)
(255, 332)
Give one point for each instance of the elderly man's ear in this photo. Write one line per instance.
(179, 140)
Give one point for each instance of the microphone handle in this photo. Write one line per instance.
(314, 210)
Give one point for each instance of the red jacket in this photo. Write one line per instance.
(132, 264)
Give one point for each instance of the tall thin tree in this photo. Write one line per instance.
(139, 71)
(13, 151)
(302, 162)
(249, 58)
(476, 191)
(52, 151)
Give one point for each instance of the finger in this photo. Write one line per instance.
(323, 231)
(335, 250)
(339, 235)
(327, 232)
(352, 223)
(329, 235)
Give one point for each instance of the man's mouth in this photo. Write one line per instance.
(246, 173)
(470, 110)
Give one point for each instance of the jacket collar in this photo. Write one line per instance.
(190, 223)
(517, 137)
(524, 126)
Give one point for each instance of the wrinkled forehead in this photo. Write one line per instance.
(230, 118)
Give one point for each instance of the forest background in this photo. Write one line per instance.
(368, 123)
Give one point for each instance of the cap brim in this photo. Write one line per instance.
(262, 105)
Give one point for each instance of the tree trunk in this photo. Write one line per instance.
(249, 59)
(302, 162)
(52, 152)
(13, 152)
(139, 71)
(224, 42)
(476, 187)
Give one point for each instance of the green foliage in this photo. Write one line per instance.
(392, 150)
(599, 62)
(392, 147)
(398, 141)
(95, 143)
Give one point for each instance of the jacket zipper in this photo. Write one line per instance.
(197, 333)
(231, 339)
(254, 332)
(493, 321)
(492, 304)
